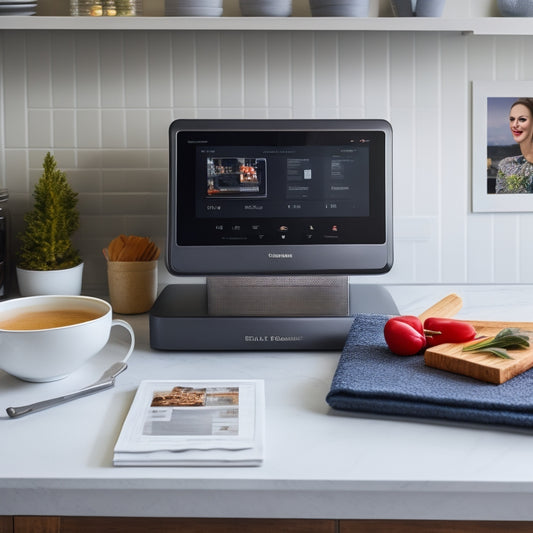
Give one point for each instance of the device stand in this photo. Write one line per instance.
(278, 296)
(180, 319)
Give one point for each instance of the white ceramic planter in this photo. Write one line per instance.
(38, 282)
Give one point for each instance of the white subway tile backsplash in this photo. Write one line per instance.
(232, 72)
(136, 124)
(87, 70)
(326, 70)
(64, 128)
(131, 159)
(158, 159)
(183, 69)
(62, 69)
(135, 69)
(113, 128)
(134, 205)
(255, 73)
(83, 180)
(15, 165)
(147, 225)
(88, 129)
(102, 101)
(39, 69)
(279, 66)
(135, 180)
(158, 124)
(208, 69)
(14, 90)
(40, 128)
(65, 157)
(159, 73)
(111, 57)
(229, 113)
(302, 74)
(90, 159)
(36, 157)
(91, 205)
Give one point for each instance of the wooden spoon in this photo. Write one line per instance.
(445, 308)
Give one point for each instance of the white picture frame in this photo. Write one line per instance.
(491, 104)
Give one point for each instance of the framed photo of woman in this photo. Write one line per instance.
(502, 146)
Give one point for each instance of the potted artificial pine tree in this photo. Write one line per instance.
(47, 261)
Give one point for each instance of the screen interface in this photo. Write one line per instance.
(280, 187)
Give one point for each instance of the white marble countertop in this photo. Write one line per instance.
(318, 464)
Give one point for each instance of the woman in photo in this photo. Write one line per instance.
(515, 174)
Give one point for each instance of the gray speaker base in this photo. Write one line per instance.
(179, 322)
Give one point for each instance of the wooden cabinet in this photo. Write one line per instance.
(53, 524)
(432, 526)
(38, 524)
(6, 524)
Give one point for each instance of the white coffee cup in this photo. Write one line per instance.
(55, 352)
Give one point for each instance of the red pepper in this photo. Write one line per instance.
(442, 330)
(412, 320)
(404, 335)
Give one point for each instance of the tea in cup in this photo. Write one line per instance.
(46, 338)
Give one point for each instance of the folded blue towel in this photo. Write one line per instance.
(370, 379)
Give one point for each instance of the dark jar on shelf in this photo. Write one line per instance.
(5, 229)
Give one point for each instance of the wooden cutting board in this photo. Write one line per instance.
(484, 367)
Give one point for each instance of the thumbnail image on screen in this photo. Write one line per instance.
(235, 177)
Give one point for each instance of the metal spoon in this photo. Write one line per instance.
(105, 382)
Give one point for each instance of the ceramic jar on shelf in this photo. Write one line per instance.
(266, 8)
(417, 8)
(193, 8)
(516, 8)
(339, 8)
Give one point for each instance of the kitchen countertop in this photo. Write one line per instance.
(318, 463)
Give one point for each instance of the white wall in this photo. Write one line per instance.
(102, 102)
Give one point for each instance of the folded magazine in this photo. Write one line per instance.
(194, 423)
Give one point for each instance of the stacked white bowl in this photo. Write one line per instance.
(266, 8)
(515, 8)
(193, 8)
(18, 7)
(339, 8)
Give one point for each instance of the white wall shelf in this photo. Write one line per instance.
(476, 26)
